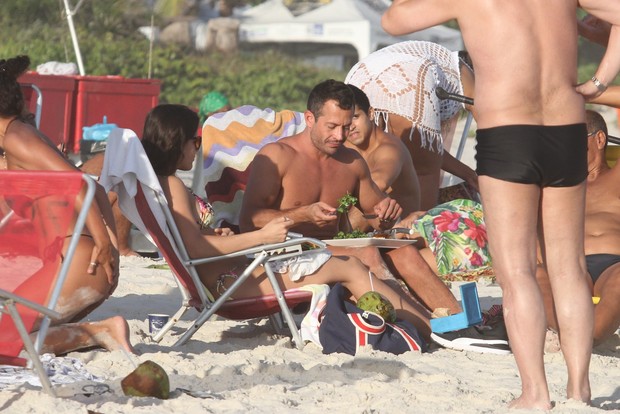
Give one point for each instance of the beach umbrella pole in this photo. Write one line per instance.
(76, 46)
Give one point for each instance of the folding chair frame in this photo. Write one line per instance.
(8, 300)
(263, 255)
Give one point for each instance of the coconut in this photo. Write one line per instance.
(374, 302)
(148, 380)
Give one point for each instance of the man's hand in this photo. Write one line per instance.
(589, 90)
(322, 214)
(388, 211)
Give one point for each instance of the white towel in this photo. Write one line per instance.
(124, 166)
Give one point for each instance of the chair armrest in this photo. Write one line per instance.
(8, 296)
(274, 247)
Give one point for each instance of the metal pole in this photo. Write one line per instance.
(76, 46)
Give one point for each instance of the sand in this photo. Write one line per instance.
(245, 367)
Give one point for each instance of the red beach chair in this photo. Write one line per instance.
(36, 209)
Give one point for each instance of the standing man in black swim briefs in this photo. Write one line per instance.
(602, 236)
(532, 163)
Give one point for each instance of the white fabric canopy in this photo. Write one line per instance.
(354, 22)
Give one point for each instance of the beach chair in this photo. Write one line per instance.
(33, 98)
(36, 209)
(128, 172)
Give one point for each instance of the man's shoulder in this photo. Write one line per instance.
(389, 145)
(287, 145)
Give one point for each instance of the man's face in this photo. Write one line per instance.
(361, 128)
(330, 130)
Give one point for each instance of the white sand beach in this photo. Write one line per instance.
(244, 367)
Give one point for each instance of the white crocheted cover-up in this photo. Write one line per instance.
(401, 79)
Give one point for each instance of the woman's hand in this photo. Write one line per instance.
(105, 255)
(223, 231)
(276, 230)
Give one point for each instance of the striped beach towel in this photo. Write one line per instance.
(230, 142)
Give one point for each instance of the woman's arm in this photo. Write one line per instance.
(202, 244)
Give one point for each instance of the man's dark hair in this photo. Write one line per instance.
(330, 90)
(595, 122)
(361, 100)
(166, 130)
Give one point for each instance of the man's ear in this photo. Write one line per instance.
(309, 117)
(601, 139)
(371, 114)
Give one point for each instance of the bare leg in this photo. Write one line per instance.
(515, 206)
(355, 277)
(111, 334)
(372, 259)
(563, 254)
(542, 277)
(413, 269)
(607, 312)
(123, 228)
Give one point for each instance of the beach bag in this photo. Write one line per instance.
(345, 328)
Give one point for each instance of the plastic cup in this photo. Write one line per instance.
(157, 321)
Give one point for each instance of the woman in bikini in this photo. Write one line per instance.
(170, 143)
(93, 274)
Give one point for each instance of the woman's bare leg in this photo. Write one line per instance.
(111, 334)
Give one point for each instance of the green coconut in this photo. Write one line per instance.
(374, 302)
(148, 380)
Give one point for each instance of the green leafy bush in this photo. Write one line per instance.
(110, 45)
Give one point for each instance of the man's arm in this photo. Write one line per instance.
(381, 210)
(386, 167)
(407, 16)
(608, 11)
(263, 191)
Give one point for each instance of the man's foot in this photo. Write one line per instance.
(472, 339)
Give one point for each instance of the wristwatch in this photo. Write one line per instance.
(599, 85)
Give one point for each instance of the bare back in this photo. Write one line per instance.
(526, 71)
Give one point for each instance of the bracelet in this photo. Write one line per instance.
(599, 85)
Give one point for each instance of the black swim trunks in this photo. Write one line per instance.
(598, 263)
(554, 156)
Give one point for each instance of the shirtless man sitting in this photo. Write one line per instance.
(391, 168)
(303, 176)
(602, 236)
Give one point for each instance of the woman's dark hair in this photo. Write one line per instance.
(361, 99)
(11, 97)
(330, 90)
(166, 130)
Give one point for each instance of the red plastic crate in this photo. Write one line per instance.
(58, 94)
(125, 102)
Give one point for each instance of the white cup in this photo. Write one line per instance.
(157, 321)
